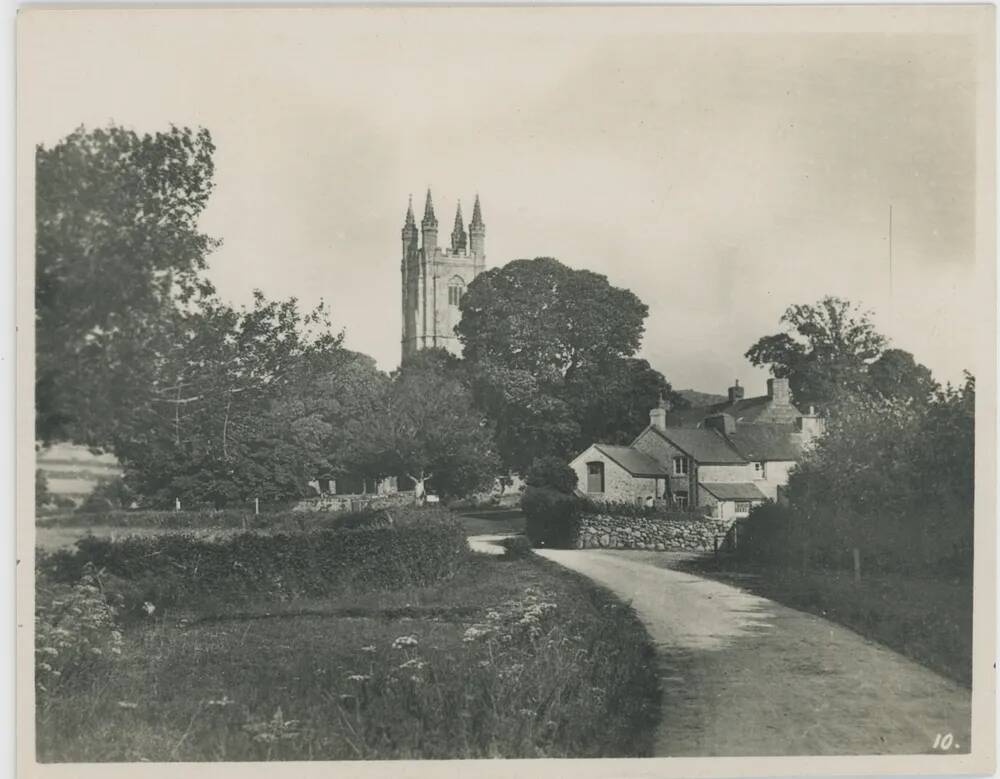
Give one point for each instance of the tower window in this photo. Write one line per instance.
(456, 289)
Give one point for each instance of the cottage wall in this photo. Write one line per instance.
(619, 484)
(664, 452)
(777, 476)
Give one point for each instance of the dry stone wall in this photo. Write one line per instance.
(354, 502)
(663, 533)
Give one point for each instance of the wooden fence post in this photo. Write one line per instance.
(256, 505)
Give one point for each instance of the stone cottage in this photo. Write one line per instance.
(724, 458)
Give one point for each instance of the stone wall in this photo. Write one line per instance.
(355, 502)
(673, 533)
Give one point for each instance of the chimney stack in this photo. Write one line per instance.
(724, 423)
(777, 391)
(735, 392)
(658, 414)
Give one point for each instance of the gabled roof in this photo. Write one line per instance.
(733, 490)
(705, 445)
(767, 442)
(632, 460)
(745, 411)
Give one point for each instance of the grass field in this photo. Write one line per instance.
(927, 619)
(492, 521)
(512, 658)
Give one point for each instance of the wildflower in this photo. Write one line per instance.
(358, 677)
(96, 651)
(413, 663)
(484, 664)
(416, 679)
(149, 608)
(404, 641)
(44, 667)
(369, 648)
(49, 650)
(475, 633)
(127, 705)
(221, 702)
(493, 615)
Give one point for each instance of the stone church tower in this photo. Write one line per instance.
(434, 279)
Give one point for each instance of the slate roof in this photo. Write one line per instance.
(766, 442)
(733, 490)
(632, 460)
(705, 445)
(744, 411)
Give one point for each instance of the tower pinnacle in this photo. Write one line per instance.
(410, 221)
(429, 218)
(459, 240)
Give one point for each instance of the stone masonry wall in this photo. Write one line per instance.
(354, 502)
(662, 534)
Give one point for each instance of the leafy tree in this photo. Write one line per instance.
(896, 375)
(548, 319)
(549, 353)
(552, 472)
(824, 352)
(117, 246)
(427, 429)
(109, 494)
(224, 421)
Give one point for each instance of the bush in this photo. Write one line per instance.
(516, 547)
(166, 569)
(553, 473)
(623, 508)
(552, 516)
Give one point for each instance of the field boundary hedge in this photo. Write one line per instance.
(167, 569)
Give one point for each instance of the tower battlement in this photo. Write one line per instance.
(434, 278)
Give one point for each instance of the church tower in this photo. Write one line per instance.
(434, 279)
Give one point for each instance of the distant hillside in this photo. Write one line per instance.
(697, 399)
(73, 472)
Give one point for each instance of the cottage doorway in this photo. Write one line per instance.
(595, 477)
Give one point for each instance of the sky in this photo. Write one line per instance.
(722, 171)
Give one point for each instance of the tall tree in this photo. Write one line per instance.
(824, 351)
(428, 430)
(223, 420)
(897, 375)
(549, 353)
(117, 245)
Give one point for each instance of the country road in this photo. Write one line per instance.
(742, 675)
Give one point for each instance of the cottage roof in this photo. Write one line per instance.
(632, 460)
(766, 442)
(705, 445)
(733, 490)
(744, 411)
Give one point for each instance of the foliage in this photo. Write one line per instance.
(42, 495)
(893, 479)
(244, 519)
(75, 634)
(222, 421)
(896, 375)
(824, 352)
(623, 508)
(168, 569)
(108, 495)
(516, 547)
(549, 353)
(426, 428)
(391, 679)
(552, 472)
(117, 227)
(552, 516)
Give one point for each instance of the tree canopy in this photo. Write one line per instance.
(117, 246)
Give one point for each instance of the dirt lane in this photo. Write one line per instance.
(743, 675)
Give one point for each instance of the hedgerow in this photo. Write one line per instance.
(167, 569)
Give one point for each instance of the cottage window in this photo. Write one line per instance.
(595, 477)
(742, 507)
(680, 466)
(456, 289)
(681, 500)
(760, 470)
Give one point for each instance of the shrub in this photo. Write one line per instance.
(623, 508)
(552, 516)
(553, 473)
(516, 547)
(166, 569)
(108, 495)
(75, 634)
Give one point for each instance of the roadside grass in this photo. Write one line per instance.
(510, 658)
(51, 539)
(927, 619)
(492, 521)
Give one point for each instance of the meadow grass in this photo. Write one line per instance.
(928, 619)
(510, 658)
